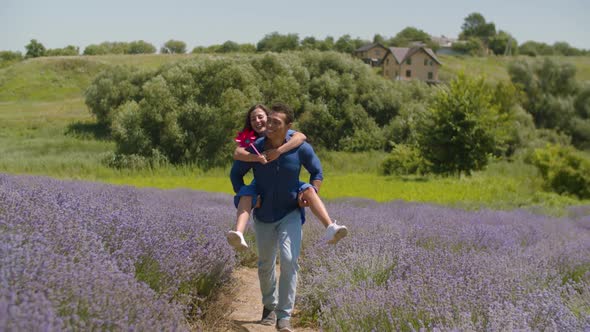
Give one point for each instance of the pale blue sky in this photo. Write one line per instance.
(57, 23)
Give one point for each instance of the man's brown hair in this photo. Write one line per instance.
(285, 109)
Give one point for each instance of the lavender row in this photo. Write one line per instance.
(77, 255)
(414, 266)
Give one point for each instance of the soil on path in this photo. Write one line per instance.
(247, 306)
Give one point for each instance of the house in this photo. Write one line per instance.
(371, 54)
(407, 63)
(445, 45)
(443, 41)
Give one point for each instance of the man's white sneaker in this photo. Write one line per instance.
(335, 233)
(236, 240)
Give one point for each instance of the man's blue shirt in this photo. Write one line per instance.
(277, 182)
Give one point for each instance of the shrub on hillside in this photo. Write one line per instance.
(69, 50)
(10, 56)
(112, 88)
(189, 110)
(564, 170)
(459, 135)
(554, 97)
(404, 160)
(134, 47)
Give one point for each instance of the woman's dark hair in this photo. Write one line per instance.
(248, 125)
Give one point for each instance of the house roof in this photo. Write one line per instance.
(402, 53)
(368, 47)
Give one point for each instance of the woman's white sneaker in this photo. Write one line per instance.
(335, 233)
(236, 240)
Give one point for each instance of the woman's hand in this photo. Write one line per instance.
(272, 154)
(260, 159)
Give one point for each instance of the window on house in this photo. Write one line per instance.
(431, 62)
(426, 62)
(430, 75)
(408, 73)
(409, 61)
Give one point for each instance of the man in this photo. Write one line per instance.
(277, 222)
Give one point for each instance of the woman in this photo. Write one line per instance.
(247, 198)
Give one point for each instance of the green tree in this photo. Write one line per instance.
(408, 35)
(472, 46)
(475, 25)
(564, 48)
(69, 50)
(10, 56)
(247, 48)
(327, 44)
(553, 97)
(111, 88)
(309, 43)
(94, 49)
(275, 42)
(534, 48)
(377, 38)
(173, 47)
(140, 47)
(34, 49)
(229, 46)
(503, 44)
(458, 136)
(564, 170)
(345, 44)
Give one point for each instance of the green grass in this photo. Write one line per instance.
(495, 68)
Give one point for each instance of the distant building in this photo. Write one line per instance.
(443, 41)
(445, 45)
(371, 54)
(403, 63)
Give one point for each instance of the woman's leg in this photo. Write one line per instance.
(317, 206)
(243, 213)
(334, 232)
(236, 238)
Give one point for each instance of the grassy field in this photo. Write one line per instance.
(495, 67)
(46, 129)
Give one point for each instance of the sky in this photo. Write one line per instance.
(58, 23)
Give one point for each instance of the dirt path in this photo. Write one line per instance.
(247, 306)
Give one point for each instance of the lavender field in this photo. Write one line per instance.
(88, 256)
(414, 266)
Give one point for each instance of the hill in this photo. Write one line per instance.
(59, 78)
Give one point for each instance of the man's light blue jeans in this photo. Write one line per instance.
(283, 236)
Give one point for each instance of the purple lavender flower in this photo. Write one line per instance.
(86, 256)
(417, 266)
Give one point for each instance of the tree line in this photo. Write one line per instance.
(478, 37)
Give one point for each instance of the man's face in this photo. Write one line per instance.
(276, 125)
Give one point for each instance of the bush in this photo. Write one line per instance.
(404, 160)
(189, 110)
(112, 88)
(564, 170)
(69, 50)
(10, 56)
(460, 133)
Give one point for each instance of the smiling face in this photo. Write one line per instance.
(277, 126)
(258, 121)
